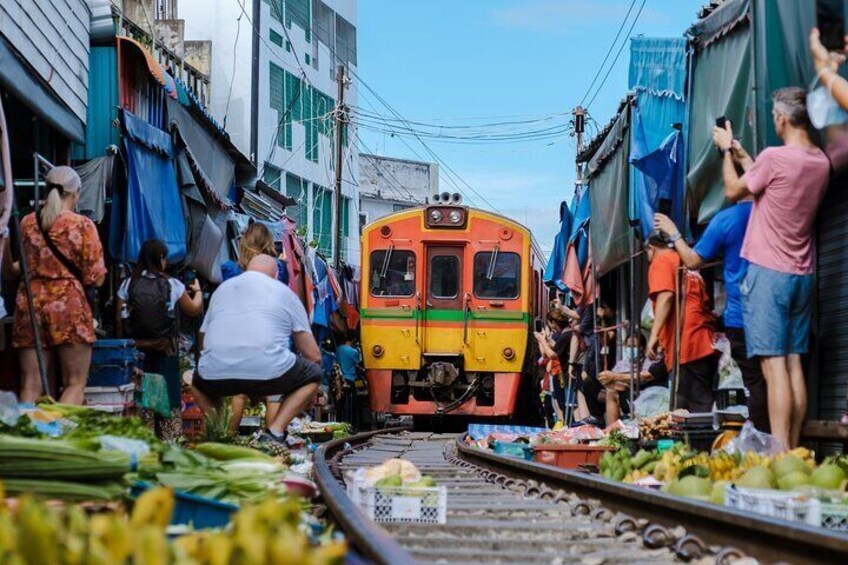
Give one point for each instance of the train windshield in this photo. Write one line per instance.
(444, 276)
(498, 276)
(392, 273)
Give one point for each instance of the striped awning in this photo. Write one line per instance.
(156, 70)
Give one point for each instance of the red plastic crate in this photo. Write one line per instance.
(569, 456)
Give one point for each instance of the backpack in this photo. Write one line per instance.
(148, 303)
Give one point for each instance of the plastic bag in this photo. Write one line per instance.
(9, 411)
(751, 439)
(729, 374)
(132, 447)
(647, 317)
(652, 401)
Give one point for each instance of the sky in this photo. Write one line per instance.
(472, 62)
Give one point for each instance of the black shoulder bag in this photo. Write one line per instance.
(89, 291)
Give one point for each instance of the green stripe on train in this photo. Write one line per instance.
(434, 315)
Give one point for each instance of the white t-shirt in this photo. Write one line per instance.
(177, 290)
(248, 327)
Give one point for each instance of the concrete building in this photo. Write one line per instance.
(388, 184)
(273, 67)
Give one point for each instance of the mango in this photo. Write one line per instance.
(757, 477)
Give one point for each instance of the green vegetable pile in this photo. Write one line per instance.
(70, 470)
(224, 472)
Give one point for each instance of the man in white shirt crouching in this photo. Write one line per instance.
(245, 349)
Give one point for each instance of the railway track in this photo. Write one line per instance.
(503, 510)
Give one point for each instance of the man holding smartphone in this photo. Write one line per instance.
(787, 184)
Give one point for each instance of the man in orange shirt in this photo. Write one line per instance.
(698, 359)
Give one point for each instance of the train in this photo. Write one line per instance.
(450, 298)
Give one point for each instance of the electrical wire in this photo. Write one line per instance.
(432, 153)
(617, 55)
(235, 59)
(609, 51)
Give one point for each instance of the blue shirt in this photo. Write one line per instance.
(230, 269)
(348, 358)
(723, 237)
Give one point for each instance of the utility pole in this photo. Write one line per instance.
(341, 119)
(579, 127)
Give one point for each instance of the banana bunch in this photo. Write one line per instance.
(36, 534)
(265, 533)
(620, 466)
(723, 466)
(671, 462)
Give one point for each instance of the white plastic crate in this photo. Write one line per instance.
(108, 398)
(427, 505)
(791, 506)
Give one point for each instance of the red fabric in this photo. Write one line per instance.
(698, 321)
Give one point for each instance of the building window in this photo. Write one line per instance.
(363, 221)
(272, 176)
(277, 9)
(322, 219)
(345, 41)
(324, 24)
(299, 12)
(296, 101)
(277, 39)
(296, 188)
(288, 46)
(307, 58)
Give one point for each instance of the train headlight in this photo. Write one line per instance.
(509, 353)
(455, 216)
(435, 216)
(377, 351)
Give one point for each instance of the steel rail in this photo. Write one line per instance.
(367, 537)
(759, 536)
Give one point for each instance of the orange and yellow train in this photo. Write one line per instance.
(451, 296)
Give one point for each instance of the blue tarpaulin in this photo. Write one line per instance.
(581, 210)
(556, 262)
(658, 68)
(151, 205)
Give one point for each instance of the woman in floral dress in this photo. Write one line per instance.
(64, 317)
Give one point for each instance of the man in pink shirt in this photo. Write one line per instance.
(788, 184)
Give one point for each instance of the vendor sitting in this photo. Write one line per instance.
(245, 346)
(617, 381)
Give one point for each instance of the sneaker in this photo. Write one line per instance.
(269, 437)
(590, 421)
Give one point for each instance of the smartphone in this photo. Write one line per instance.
(664, 206)
(830, 19)
(721, 122)
(538, 326)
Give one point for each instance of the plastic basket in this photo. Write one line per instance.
(197, 511)
(791, 506)
(192, 423)
(112, 362)
(569, 456)
(513, 449)
(411, 505)
(834, 516)
(109, 395)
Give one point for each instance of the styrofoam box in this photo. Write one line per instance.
(109, 395)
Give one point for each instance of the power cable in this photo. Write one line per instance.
(426, 147)
(609, 51)
(617, 55)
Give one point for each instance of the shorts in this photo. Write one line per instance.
(777, 312)
(301, 374)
